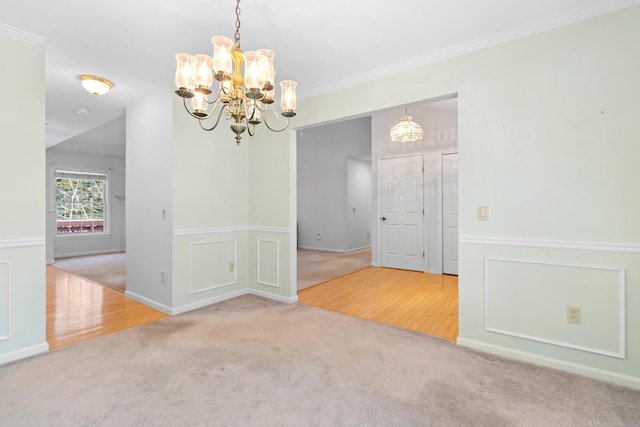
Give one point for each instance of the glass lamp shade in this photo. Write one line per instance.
(406, 130)
(268, 97)
(253, 112)
(266, 66)
(95, 85)
(198, 104)
(185, 71)
(203, 75)
(222, 61)
(288, 100)
(253, 78)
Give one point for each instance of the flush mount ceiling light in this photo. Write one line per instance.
(406, 130)
(242, 98)
(94, 84)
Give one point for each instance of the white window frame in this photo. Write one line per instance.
(59, 171)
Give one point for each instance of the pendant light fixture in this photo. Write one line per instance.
(406, 130)
(241, 97)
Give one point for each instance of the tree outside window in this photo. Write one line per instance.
(81, 202)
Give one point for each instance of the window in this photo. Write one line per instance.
(81, 202)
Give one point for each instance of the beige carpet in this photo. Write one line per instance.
(106, 269)
(255, 362)
(319, 266)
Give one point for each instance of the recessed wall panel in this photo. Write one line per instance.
(529, 299)
(5, 301)
(268, 263)
(212, 265)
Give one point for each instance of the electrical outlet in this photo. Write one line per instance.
(483, 213)
(232, 266)
(573, 315)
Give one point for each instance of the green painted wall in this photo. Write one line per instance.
(548, 139)
(22, 218)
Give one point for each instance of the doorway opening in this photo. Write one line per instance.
(427, 232)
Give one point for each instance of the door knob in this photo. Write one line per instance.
(383, 218)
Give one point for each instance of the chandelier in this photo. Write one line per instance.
(241, 98)
(406, 130)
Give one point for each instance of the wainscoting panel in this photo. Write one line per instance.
(213, 265)
(5, 301)
(268, 262)
(529, 299)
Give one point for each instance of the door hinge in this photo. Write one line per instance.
(422, 211)
(422, 254)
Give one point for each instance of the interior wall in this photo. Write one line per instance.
(210, 212)
(94, 244)
(323, 176)
(22, 217)
(439, 121)
(359, 209)
(149, 201)
(547, 139)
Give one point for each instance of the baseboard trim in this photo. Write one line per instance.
(339, 251)
(205, 302)
(24, 353)
(149, 302)
(586, 371)
(279, 298)
(87, 253)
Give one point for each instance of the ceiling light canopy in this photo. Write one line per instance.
(94, 84)
(406, 130)
(241, 97)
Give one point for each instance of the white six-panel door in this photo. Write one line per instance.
(401, 208)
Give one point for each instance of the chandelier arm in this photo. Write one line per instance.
(208, 116)
(184, 102)
(266, 123)
(249, 129)
(217, 120)
(215, 100)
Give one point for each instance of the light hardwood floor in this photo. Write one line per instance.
(418, 301)
(79, 309)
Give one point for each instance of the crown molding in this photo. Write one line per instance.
(20, 35)
(575, 15)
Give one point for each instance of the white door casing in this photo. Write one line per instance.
(401, 212)
(450, 213)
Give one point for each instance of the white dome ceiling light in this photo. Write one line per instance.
(94, 84)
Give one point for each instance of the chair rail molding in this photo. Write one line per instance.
(629, 248)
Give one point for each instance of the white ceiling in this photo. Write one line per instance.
(323, 45)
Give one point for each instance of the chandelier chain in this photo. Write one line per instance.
(237, 35)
